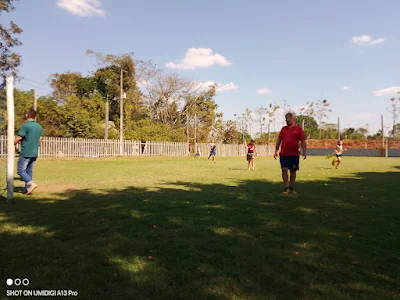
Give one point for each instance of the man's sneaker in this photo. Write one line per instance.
(287, 192)
(31, 188)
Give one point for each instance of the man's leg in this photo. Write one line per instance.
(29, 168)
(252, 163)
(294, 167)
(285, 168)
(285, 178)
(292, 178)
(23, 164)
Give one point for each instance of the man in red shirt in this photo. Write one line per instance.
(288, 142)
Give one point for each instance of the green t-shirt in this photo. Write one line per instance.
(30, 132)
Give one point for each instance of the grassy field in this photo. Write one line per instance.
(159, 228)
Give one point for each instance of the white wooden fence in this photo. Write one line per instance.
(71, 147)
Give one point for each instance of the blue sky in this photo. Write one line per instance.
(294, 50)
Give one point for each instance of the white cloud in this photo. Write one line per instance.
(264, 91)
(363, 115)
(220, 87)
(347, 88)
(199, 58)
(82, 8)
(367, 40)
(392, 91)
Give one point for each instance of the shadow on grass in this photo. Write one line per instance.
(337, 240)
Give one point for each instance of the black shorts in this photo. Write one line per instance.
(338, 155)
(250, 156)
(290, 162)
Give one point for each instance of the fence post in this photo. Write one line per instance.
(387, 147)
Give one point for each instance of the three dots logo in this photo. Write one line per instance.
(17, 282)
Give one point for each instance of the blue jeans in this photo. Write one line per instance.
(25, 169)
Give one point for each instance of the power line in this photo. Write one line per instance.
(35, 86)
(37, 82)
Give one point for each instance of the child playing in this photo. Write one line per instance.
(213, 152)
(338, 152)
(251, 154)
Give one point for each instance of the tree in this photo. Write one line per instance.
(395, 132)
(9, 60)
(86, 86)
(166, 92)
(362, 132)
(204, 107)
(117, 70)
(310, 125)
(230, 134)
(248, 119)
(260, 113)
(271, 112)
(395, 110)
(83, 116)
(354, 134)
(64, 85)
(51, 117)
(23, 100)
(308, 110)
(112, 66)
(321, 110)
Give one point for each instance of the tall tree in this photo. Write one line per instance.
(248, 119)
(310, 125)
(165, 93)
(395, 110)
(260, 113)
(271, 112)
(321, 110)
(9, 60)
(64, 85)
(308, 110)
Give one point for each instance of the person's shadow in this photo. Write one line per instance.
(19, 190)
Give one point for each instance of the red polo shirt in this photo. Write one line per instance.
(290, 137)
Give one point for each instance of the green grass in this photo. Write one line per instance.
(159, 228)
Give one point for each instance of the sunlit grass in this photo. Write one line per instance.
(173, 228)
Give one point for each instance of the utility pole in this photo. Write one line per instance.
(195, 132)
(187, 126)
(243, 130)
(106, 120)
(34, 100)
(383, 133)
(10, 137)
(121, 125)
(338, 128)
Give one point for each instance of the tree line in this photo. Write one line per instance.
(151, 104)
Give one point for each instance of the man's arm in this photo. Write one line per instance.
(304, 147)
(277, 146)
(17, 140)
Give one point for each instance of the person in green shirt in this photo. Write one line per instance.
(29, 135)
